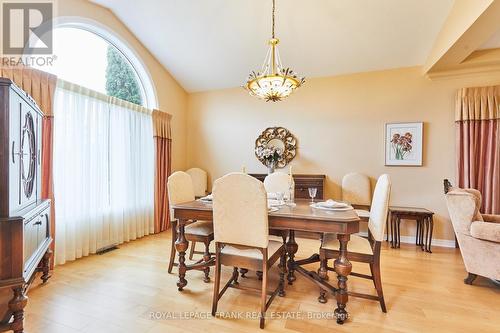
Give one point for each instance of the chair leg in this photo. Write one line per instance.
(235, 275)
(263, 295)
(470, 278)
(378, 285)
(243, 271)
(216, 284)
(191, 251)
(172, 248)
(417, 233)
(373, 279)
(282, 268)
(206, 258)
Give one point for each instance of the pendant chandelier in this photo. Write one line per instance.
(273, 82)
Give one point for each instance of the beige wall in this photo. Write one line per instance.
(339, 123)
(172, 98)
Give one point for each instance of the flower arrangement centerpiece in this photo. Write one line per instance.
(271, 155)
(402, 145)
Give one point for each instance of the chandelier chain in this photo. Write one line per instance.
(274, 5)
(273, 82)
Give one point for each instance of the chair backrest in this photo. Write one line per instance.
(356, 189)
(199, 177)
(240, 210)
(462, 207)
(379, 207)
(180, 189)
(278, 182)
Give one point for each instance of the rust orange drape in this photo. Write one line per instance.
(163, 160)
(477, 121)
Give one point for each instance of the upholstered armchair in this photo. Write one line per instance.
(478, 234)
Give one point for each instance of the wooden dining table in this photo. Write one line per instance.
(299, 217)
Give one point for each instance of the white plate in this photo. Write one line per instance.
(272, 209)
(339, 209)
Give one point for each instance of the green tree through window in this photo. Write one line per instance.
(120, 79)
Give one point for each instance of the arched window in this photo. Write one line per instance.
(89, 55)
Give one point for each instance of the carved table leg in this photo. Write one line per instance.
(343, 268)
(291, 249)
(181, 245)
(323, 273)
(206, 258)
(16, 305)
(46, 266)
(322, 270)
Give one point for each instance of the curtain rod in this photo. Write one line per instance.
(76, 88)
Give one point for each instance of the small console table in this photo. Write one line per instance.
(425, 225)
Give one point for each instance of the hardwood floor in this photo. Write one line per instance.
(122, 290)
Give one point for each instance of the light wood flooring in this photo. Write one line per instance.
(121, 290)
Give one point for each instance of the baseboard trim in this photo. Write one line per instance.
(411, 240)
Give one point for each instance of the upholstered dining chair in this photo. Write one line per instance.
(180, 190)
(361, 249)
(242, 238)
(200, 186)
(200, 182)
(357, 191)
(279, 182)
(478, 234)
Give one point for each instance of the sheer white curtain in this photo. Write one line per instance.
(103, 171)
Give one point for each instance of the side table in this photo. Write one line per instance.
(425, 225)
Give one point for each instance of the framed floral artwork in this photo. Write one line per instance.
(404, 144)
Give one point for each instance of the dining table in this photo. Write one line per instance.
(299, 216)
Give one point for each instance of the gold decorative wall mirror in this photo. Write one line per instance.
(275, 147)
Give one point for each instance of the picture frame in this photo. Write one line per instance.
(404, 144)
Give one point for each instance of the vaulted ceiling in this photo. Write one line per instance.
(214, 44)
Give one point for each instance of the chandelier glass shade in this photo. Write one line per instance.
(274, 82)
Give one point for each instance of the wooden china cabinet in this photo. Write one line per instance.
(24, 216)
(302, 184)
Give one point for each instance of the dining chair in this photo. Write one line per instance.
(279, 182)
(180, 190)
(356, 190)
(361, 249)
(200, 186)
(240, 201)
(200, 182)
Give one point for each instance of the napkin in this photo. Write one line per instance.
(332, 204)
